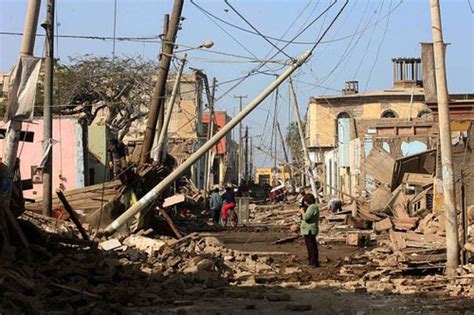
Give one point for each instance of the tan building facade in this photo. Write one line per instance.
(323, 112)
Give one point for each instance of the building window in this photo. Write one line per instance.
(425, 113)
(343, 115)
(389, 114)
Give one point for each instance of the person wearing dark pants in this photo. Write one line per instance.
(309, 228)
(215, 204)
(312, 247)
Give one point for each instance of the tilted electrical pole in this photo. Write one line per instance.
(157, 102)
(153, 194)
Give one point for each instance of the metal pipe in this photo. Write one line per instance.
(151, 196)
(169, 112)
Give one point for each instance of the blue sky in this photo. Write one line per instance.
(355, 50)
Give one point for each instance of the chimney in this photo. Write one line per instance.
(406, 72)
(352, 87)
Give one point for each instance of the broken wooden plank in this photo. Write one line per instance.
(72, 214)
(287, 239)
(170, 222)
(383, 225)
(398, 240)
(80, 291)
(405, 223)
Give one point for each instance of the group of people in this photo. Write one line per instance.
(309, 226)
(221, 204)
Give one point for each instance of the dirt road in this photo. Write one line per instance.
(267, 298)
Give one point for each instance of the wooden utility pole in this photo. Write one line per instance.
(246, 176)
(240, 97)
(157, 102)
(251, 158)
(452, 241)
(309, 167)
(47, 110)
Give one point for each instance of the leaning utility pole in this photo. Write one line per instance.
(210, 133)
(274, 132)
(287, 160)
(240, 97)
(150, 197)
(12, 136)
(309, 168)
(47, 110)
(452, 243)
(157, 102)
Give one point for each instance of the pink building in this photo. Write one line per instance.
(68, 155)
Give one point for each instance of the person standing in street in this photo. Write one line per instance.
(215, 204)
(309, 228)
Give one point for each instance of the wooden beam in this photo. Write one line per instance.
(170, 222)
(72, 214)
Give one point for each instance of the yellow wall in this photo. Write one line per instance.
(282, 174)
(322, 116)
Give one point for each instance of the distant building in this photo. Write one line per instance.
(346, 133)
(4, 84)
(272, 176)
(224, 155)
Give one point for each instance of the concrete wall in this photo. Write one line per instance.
(98, 160)
(68, 157)
(322, 113)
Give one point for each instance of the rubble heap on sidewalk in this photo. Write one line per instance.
(137, 271)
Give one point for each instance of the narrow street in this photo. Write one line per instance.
(310, 290)
(236, 157)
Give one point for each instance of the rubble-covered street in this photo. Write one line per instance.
(250, 268)
(236, 157)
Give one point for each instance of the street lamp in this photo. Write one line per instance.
(205, 44)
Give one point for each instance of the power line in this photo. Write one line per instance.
(207, 13)
(378, 49)
(256, 30)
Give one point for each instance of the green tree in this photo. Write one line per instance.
(293, 141)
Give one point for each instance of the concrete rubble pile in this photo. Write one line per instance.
(121, 275)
